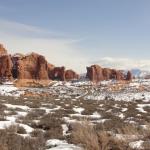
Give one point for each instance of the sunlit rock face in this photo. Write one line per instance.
(3, 51)
(57, 73)
(5, 67)
(95, 73)
(71, 75)
(129, 76)
(32, 66)
(5, 64)
(35, 66)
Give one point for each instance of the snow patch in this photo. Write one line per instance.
(56, 144)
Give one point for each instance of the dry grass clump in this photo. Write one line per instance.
(130, 129)
(146, 132)
(84, 134)
(37, 133)
(92, 137)
(51, 124)
(35, 114)
(2, 113)
(146, 145)
(21, 130)
(2, 117)
(87, 136)
(49, 121)
(16, 129)
(9, 140)
(3, 147)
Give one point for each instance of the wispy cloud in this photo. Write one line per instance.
(20, 29)
(123, 63)
(58, 49)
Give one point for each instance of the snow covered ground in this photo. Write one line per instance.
(54, 109)
(8, 89)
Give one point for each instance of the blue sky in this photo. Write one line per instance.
(77, 33)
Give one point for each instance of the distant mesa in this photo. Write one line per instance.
(35, 66)
(96, 73)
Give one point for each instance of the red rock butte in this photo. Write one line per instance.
(31, 66)
(35, 66)
(96, 73)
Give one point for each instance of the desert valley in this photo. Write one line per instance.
(45, 107)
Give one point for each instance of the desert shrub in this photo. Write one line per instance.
(15, 129)
(86, 135)
(21, 130)
(49, 121)
(37, 133)
(54, 133)
(12, 141)
(2, 117)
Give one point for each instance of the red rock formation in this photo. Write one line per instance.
(5, 67)
(107, 73)
(33, 66)
(117, 75)
(70, 75)
(15, 59)
(129, 76)
(5, 64)
(50, 66)
(50, 69)
(95, 73)
(57, 73)
(3, 51)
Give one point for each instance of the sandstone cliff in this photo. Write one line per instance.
(5, 67)
(57, 73)
(96, 73)
(3, 51)
(71, 75)
(33, 66)
(5, 64)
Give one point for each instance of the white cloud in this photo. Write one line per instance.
(58, 50)
(123, 63)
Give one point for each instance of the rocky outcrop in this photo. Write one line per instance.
(71, 75)
(57, 73)
(50, 70)
(117, 75)
(129, 76)
(5, 64)
(15, 60)
(3, 51)
(96, 73)
(33, 66)
(5, 67)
